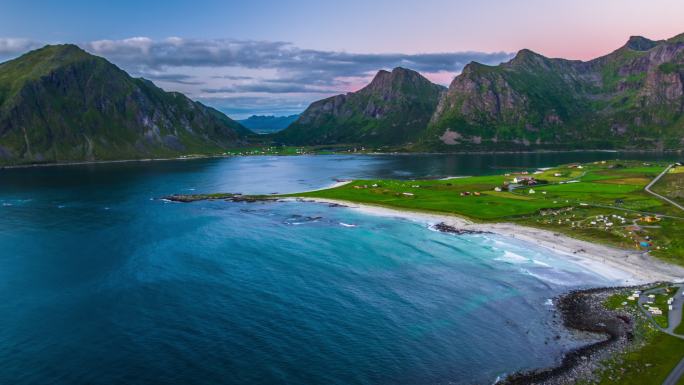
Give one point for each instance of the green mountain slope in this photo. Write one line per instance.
(393, 109)
(631, 98)
(59, 103)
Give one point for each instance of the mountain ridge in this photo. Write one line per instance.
(631, 98)
(61, 104)
(620, 100)
(394, 105)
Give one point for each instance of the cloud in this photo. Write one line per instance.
(243, 106)
(172, 78)
(12, 46)
(270, 87)
(232, 77)
(300, 64)
(267, 76)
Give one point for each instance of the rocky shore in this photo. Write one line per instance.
(230, 197)
(443, 227)
(584, 311)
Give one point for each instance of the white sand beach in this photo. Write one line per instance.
(631, 267)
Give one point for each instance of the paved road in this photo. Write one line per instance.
(675, 374)
(654, 181)
(674, 318)
(675, 315)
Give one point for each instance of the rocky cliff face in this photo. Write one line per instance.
(60, 103)
(393, 109)
(631, 98)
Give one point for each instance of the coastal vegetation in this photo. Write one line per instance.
(602, 202)
(652, 354)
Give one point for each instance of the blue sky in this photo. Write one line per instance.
(265, 56)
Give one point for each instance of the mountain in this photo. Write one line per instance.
(268, 124)
(59, 103)
(393, 109)
(630, 98)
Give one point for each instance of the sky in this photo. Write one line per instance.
(275, 57)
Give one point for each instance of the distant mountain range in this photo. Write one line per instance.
(60, 104)
(268, 124)
(632, 98)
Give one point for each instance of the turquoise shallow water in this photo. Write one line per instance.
(102, 283)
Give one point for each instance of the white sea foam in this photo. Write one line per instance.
(347, 224)
(540, 263)
(512, 257)
(547, 278)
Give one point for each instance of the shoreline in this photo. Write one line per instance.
(197, 157)
(583, 311)
(626, 266)
(580, 310)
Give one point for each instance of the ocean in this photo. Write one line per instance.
(102, 282)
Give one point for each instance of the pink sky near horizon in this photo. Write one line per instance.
(578, 29)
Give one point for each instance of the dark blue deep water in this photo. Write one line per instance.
(102, 283)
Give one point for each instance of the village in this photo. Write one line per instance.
(663, 304)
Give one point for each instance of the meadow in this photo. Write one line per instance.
(601, 202)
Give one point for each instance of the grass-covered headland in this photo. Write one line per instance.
(602, 202)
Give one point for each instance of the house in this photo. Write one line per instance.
(531, 191)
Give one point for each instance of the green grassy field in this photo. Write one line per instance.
(600, 202)
(671, 185)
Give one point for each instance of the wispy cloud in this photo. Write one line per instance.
(270, 75)
(12, 46)
(302, 64)
(172, 78)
